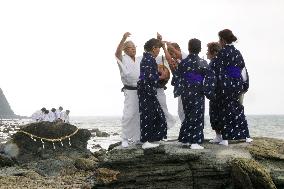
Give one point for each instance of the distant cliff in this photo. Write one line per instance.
(5, 110)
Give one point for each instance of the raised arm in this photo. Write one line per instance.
(118, 52)
(167, 54)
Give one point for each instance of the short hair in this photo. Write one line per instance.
(176, 46)
(151, 43)
(213, 47)
(60, 108)
(126, 44)
(194, 46)
(43, 109)
(53, 109)
(227, 35)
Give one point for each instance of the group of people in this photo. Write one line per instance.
(52, 115)
(223, 81)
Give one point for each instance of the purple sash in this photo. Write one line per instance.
(233, 71)
(193, 77)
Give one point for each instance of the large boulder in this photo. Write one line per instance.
(45, 140)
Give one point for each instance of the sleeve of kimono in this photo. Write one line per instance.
(177, 80)
(245, 78)
(209, 84)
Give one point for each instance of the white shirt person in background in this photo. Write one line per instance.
(129, 66)
(65, 116)
(38, 115)
(58, 113)
(45, 116)
(52, 115)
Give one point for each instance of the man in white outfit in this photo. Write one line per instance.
(129, 66)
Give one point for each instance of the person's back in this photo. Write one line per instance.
(192, 80)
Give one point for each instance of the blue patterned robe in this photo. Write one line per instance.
(226, 111)
(152, 118)
(192, 80)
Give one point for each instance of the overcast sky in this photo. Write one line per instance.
(61, 52)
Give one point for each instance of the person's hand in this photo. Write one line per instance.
(159, 36)
(173, 64)
(126, 35)
(163, 44)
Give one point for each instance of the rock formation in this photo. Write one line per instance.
(5, 110)
(259, 165)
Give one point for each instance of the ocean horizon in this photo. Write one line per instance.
(271, 126)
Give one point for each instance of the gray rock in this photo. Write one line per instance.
(98, 133)
(6, 161)
(85, 164)
(171, 166)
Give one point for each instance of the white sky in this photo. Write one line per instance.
(61, 52)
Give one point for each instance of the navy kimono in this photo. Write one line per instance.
(152, 118)
(226, 111)
(192, 80)
(214, 106)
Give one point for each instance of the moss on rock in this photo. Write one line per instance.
(267, 148)
(249, 174)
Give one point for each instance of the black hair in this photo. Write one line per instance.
(194, 46)
(152, 43)
(227, 35)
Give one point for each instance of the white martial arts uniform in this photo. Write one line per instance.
(130, 72)
(162, 98)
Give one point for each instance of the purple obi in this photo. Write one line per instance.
(192, 77)
(233, 71)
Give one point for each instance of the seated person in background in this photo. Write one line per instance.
(52, 115)
(38, 115)
(65, 116)
(45, 116)
(58, 113)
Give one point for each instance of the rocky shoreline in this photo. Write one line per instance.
(24, 163)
